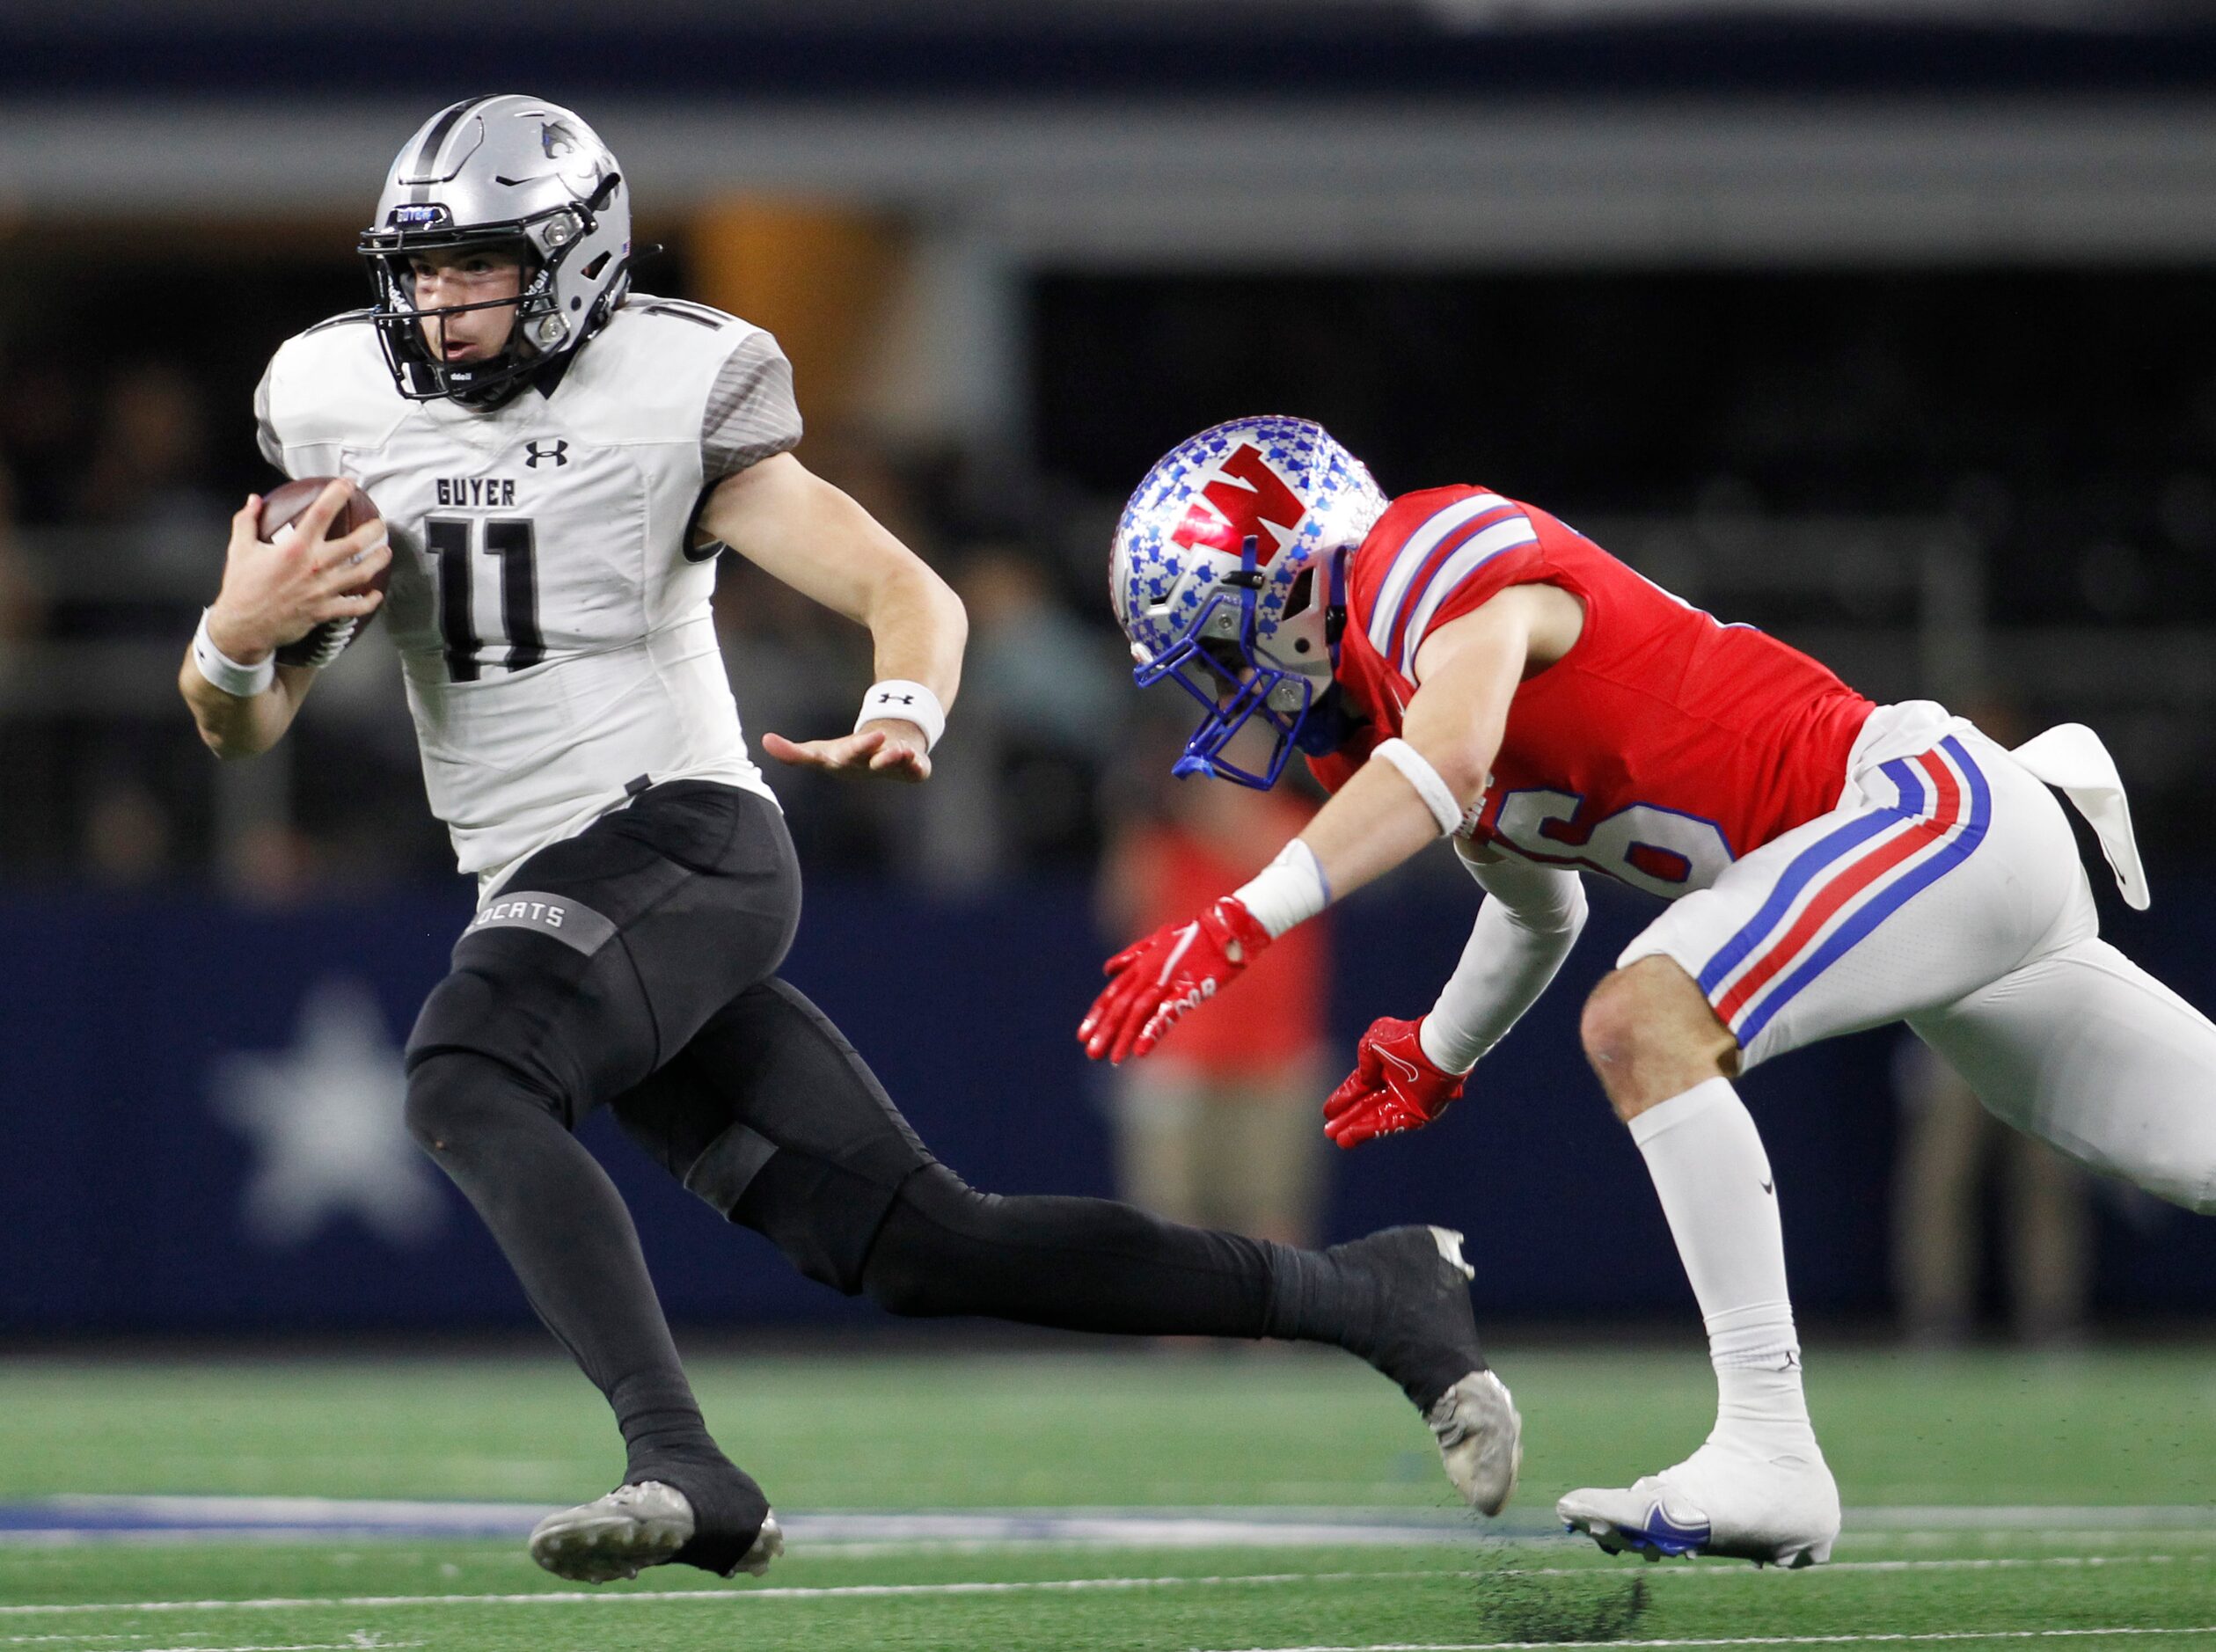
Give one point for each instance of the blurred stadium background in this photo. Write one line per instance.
(1883, 324)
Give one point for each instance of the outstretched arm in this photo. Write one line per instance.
(806, 533)
(1411, 793)
(1406, 1072)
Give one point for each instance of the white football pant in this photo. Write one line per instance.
(1945, 890)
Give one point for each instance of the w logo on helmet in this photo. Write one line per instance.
(556, 451)
(1241, 512)
(1226, 573)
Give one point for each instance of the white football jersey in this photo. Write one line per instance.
(555, 631)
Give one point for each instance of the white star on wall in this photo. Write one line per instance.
(325, 1120)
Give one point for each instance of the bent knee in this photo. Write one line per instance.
(1608, 1029)
(457, 1099)
(1644, 1008)
(1649, 1032)
(904, 1292)
(915, 1262)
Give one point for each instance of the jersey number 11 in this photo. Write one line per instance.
(452, 540)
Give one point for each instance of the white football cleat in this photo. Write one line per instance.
(1775, 1509)
(1480, 1440)
(632, 1527)
(768, 1544)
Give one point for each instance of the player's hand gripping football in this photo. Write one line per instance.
(276, 594)
(1393, 1087)
(1155, 980)
(883, 748)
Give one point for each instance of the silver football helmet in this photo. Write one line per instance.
(517, 173)
(1228, 573)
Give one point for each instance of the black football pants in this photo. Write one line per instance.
(633, 965)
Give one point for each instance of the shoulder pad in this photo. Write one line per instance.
(345, 318)
(699, 314)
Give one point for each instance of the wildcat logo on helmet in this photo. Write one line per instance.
(419, 216)
(1228, 576)
(1248, 498)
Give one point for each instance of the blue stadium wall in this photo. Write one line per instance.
(149, 1183)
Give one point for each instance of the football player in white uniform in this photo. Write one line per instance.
(558, 460)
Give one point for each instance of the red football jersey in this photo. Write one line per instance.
(1661, 747)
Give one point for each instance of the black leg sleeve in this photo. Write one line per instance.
(566, 1232)
(1090, 1265)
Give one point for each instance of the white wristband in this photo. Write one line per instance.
(1438, 796)
(909, 703)
(225, 672)
(1289, 890)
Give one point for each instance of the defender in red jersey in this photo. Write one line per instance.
(1454, 663)
(1657, 750)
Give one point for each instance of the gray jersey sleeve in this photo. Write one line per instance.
(265, 428)
(751, 413)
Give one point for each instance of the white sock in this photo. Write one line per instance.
(1717, 1192)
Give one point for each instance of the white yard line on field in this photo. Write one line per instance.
(2033, 1516)
(297, 1646)
(1071, 1585)
(353, 1644)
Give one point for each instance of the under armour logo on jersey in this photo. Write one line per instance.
(558, 451)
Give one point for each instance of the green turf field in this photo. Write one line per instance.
(1995, 1500)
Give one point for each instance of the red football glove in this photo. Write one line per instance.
(1153, 982)
(1393, 1087)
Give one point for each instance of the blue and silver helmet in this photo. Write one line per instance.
(1228, 574)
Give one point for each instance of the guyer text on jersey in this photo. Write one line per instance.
(476, 490)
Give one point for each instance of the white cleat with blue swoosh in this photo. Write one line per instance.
(1775, 1509)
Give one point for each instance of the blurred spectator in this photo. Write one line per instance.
(270, 863)
(22, 606)
(1220, 1126)
(1951, 1149)
(147, 476)
(127, 833)
(46, 429)
(1043, 691)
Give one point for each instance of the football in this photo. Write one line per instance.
(281, 508)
